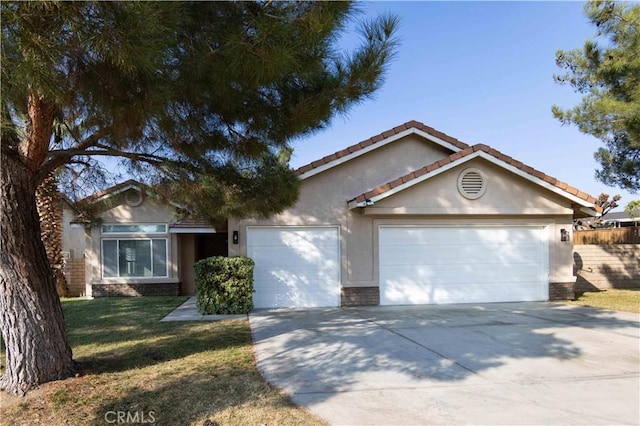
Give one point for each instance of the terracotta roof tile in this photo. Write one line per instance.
(444, 161)
(467, 151)
(317, 163)
(305, 168)
(366, 143)
(456, 156)
(341, 153)
(422, 171)
(396, 182)
(380, 137)
(330, 158)
(353, 148)
(572, 190)
(408, 177)
(377, 138)
(93, 197)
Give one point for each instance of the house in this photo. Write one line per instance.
(133, 244)
(620, 220)
(409, 216)
(414, 216)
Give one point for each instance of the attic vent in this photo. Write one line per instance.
(471, 184)
(133, 198)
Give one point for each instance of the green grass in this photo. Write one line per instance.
(615, 300)
(176, 373)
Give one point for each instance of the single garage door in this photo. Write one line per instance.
(422, 265)
(295, 267)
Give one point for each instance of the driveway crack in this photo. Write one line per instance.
(415, 342)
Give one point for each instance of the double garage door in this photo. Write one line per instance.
(421, 265)
(300, 266)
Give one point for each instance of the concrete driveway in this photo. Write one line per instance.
(503, 363)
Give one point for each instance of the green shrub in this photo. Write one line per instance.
(224, 285)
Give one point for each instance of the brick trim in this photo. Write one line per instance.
(135, 289)
(360, 296)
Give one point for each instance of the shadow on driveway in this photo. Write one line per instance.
(509, 363)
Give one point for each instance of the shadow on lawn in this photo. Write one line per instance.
(126, 333)
(188, 399)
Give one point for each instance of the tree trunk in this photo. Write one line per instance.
(31, 317)
(51, 222)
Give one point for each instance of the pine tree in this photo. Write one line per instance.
(607, 72)
(200, 96)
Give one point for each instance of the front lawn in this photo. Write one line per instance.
(615, 300)
(139, 370)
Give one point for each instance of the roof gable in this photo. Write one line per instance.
(378, 141)
(477, 151)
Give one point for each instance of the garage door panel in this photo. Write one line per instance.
(458, 236)
(470, 293)
(462, 265)
(468, 273)
(295, 266)
(416, 255)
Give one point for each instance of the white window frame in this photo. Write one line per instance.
(118, 276)
(141, 232)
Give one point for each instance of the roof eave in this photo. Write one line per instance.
(376, 145)
(583, 204)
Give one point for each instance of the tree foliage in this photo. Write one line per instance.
(200, 99)
(633, 209)
(607, 72)
(200, 95)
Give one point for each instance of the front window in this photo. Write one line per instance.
(134, 228)
(134, 258)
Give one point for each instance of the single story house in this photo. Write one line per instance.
(133, 244)
(409, 216)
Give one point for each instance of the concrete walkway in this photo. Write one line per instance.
(189, 312)
(509, 363)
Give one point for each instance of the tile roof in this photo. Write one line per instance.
(113, 190)
(378, 138)
(464, 153)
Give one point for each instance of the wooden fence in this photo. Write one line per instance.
(628, 235)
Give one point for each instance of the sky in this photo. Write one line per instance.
(481, 72)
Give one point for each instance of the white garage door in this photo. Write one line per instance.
(296, 267)
(420, 265)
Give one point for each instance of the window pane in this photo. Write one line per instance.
(159, 258)
(110, 258)
(135, 258)
(135, 228)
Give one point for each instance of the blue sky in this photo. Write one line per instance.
(481, 72)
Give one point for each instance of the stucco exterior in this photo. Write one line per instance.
(181, 246)
(509, 200)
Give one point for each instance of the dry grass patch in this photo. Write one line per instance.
(164, 373)
(615, 300)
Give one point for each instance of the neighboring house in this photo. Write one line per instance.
(414, 216)
(610, 220)
(620, 220)
(410, 216)
(134, 244)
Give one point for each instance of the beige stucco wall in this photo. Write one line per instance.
(72, 237)
(509, 200)
(150, 211)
